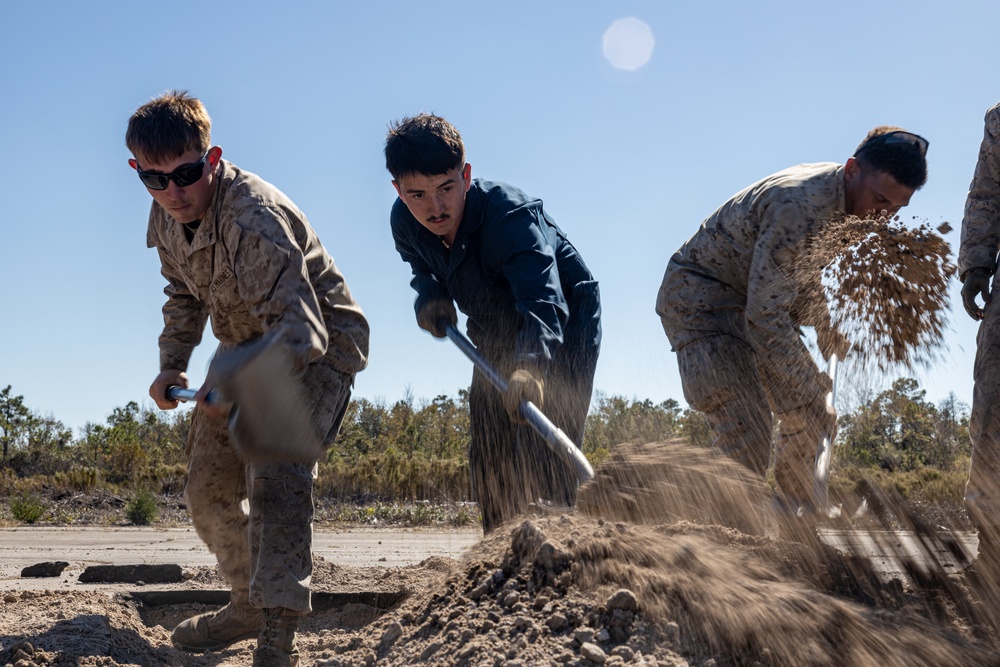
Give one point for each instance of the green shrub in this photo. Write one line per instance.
(28, 508)
(142, 509)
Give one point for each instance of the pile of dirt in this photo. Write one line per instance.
(885, 285)
(581, 591)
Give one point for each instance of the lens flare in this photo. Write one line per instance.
(628, 43)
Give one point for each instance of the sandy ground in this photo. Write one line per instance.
(82, 547)
(660, 566)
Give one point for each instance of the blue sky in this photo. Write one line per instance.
(628, 162)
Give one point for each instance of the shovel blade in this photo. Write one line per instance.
(270, 421)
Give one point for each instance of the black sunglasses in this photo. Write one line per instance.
(896, 137)
(183, 176)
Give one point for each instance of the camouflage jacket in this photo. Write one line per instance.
(981, 224)
(257, 268)
(734, 276)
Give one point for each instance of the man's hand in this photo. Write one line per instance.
(976, 283)
(434, 314)
(215, 405)
(166, 379)
(523, 386)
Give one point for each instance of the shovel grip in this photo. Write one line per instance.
(175, 393)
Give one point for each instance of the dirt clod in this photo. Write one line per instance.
(886, 287)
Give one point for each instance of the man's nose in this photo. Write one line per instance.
(438, 203)
(173, 190)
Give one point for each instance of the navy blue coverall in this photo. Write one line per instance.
(531, 302)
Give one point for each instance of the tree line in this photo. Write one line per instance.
(416, 449)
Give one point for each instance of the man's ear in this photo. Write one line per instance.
(851, 169)
(214, 155)
(467, 176)
(132, 163)
(398, 191)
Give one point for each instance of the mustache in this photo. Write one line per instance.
(440, 218)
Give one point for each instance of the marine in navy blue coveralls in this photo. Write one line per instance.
(531, 302)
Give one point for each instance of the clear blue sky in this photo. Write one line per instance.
(628, 162)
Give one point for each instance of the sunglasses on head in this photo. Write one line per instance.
(896, 137)
(183, 176)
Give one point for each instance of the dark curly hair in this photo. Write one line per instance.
(424, 144)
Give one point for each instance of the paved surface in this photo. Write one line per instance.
(886, 549)
(82, 547)
(384, 547)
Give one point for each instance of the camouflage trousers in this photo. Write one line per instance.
(720, 378)
(982, 492)
(510, 465)
(257, 518)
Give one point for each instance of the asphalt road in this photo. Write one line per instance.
(82, 547)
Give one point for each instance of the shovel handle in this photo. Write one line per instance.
(824, 452)
(175, 393)
(553, 436)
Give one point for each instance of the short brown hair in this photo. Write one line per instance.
(424, 144)
(168, 126)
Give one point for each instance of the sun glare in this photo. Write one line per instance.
(628, 43)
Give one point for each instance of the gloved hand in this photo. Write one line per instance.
(977, 282)
(524, 385)
(432, 314)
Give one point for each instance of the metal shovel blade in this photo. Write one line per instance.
(270, 421)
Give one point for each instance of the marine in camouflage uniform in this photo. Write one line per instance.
(977, 265)
(235, 249)
(731, 303)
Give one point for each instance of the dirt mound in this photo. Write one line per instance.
(576, 590)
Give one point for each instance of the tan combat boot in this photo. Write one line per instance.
(216, 630)
(276, 645)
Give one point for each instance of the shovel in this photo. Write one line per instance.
(270, 421)
(824, 452)
(554, 437)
